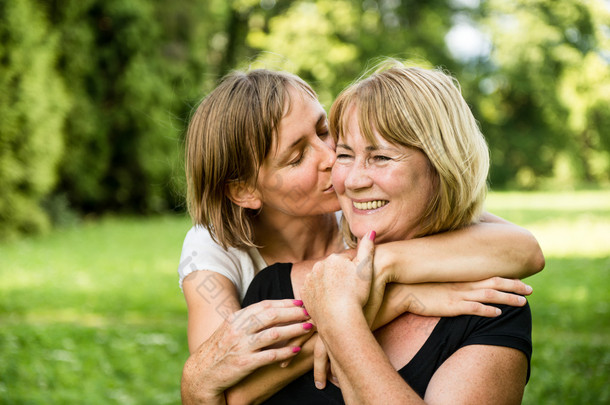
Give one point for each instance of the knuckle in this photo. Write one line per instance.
(475, 307)
(271, 314)
(242, 362)
(488, 293)
(273, 334)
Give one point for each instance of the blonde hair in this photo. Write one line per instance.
(228, 137)
(424, 109)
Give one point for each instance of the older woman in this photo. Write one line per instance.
(408, 143)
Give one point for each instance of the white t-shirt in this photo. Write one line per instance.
(200, 252)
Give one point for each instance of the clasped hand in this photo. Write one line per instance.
(343, 286)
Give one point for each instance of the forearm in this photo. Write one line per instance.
(268, 380)
(365, 372)
(473, 253)
(196, 386)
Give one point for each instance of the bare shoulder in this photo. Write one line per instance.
(480, 374)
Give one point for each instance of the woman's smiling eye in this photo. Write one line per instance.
(381, 158)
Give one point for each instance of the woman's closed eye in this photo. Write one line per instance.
(343, 156)
(297, 159)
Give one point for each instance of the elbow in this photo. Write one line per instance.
(535, 261)
(538, 262)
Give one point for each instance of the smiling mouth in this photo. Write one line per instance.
(370, 205)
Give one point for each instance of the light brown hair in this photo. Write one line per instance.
(229, 136)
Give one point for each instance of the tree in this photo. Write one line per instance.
(546, 89)
(33, 103)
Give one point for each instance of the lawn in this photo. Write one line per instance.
(93, 314)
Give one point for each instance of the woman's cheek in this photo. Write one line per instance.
(338, 178)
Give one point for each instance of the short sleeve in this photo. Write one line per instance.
(201, 252)
(513, 328)
(272, 283)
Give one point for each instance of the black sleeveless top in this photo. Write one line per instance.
(511, 329)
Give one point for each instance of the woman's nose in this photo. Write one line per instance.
(358, 177)
(328, 157)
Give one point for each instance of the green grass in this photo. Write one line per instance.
(571, 300)
(93, 314)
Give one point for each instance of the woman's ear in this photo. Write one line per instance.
(244, 195)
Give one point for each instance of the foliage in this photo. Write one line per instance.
(125, 67)
(94, 313)
(547, 90)
(114, 82)
(33, 102)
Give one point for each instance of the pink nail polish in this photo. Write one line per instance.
(307, 325)
(298, 303)
(305, 311)
(296, 349)
(372, 235)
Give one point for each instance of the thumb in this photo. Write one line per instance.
(366, 248)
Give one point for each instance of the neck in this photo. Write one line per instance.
(285, 239)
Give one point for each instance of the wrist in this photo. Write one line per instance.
(203, 397)
(341, 317)
(383, 263)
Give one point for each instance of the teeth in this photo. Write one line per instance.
(370, 205)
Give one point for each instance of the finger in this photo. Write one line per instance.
(366, 248)
(490, 296)
(320, 364)
(270, 356)
(476, 308)
(298, 341)
(277, 334)
(265, 316)
(505, 284)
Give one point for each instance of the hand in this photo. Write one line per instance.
(339, 282)
(462, 298)
(298, 341)
(246, 340)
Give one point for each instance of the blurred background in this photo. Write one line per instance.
(95, 96)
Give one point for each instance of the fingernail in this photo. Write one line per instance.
(307, 325)
(296, 349)
(284, 364)
(319, 385)
(528, 288)
(298, 303)
(305, 311)
(498, 311)
(372, 235)
(521, 300)
(334, 379)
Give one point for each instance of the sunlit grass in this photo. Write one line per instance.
(93, 314)
(571, 300)
(565, 224)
